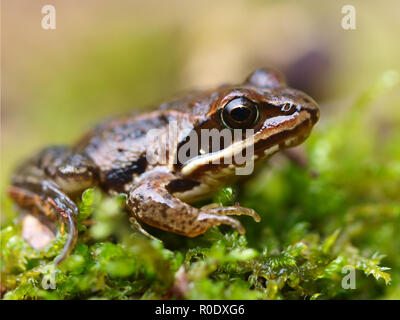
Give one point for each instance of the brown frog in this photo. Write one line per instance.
(114, 156)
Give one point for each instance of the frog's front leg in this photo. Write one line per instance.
(151, 202)
(43, 184)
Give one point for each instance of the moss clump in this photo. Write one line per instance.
(220, 265)
(314, 232)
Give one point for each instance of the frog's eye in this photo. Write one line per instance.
(239, 113)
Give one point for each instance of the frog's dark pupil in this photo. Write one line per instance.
(240, 114)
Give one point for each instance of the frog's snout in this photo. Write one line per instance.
(312, 108)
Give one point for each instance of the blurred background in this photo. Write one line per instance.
(110, 57)
(106, 58)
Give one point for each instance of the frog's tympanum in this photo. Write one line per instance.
(113, 156)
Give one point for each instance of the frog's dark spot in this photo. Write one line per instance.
(117, 178)
(180, 185)
(307, 100)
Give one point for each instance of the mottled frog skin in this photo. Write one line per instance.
(112, 156)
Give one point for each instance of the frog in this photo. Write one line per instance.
(163, 193)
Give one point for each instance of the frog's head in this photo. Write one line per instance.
(285, 115)
(277, 116)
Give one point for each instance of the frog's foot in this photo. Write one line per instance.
(45, 197)
(42, 185)
(214, 208)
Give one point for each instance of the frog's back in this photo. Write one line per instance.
(118, 147)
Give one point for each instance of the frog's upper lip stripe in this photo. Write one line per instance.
(262, 142)
(280, 137)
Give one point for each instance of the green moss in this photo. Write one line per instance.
(313, 231)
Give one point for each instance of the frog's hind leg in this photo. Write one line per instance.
(40, 186)
(48, 200)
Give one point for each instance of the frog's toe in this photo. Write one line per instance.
(216, 220)
(138, 227)
(231, 211)
(71, 240)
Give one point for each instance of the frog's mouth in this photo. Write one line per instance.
(289, 134)
(275, 134)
